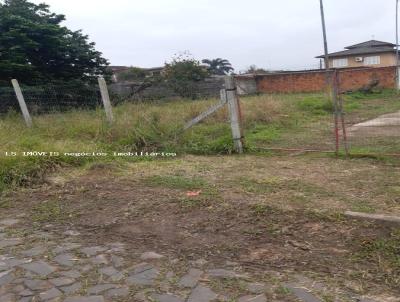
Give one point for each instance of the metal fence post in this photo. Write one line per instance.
(106, 99)
(22, 104)
(234, 112)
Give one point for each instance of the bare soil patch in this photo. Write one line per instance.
(266, 213)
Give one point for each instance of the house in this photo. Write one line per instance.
(116, 71)
(368, 54)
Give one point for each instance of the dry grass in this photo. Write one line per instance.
(300, 121)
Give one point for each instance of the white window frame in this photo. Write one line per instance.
(338, 63)
(372, 60)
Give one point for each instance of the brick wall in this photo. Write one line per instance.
(354, 79)
(315, 80)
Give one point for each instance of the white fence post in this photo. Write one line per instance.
(398, 78)
(22, 104)
(234, 112)
(106, 99)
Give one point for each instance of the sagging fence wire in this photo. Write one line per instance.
(287, 122)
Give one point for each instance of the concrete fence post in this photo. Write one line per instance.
(106, 99)
(22, 104)
(398, 77)
(234, 112)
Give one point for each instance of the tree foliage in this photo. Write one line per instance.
(182, 73)
(254, 70)
(34, 46)
(218, 66)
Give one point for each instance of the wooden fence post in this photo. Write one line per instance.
(22, 104)
(234, 112)
(106, 99)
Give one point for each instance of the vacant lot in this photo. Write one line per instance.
(302, 121)
(258, 226)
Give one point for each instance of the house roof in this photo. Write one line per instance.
(371, 43)
(368, 47)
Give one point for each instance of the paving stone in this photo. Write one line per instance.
(259, 298)
(26, 293)
(140, 296)
(9, 242)
(191, 278)
(85, 299)
(117, 247)
(9, 222)
(36, 251)
(66, 247)
(72, 289)
(8, 298)
(301, 293)
(141, 267)
(108, 271)
(166, 298)
(117, 277)
(34, 284)
(86, 268)
(117, 261)
(62, 281)
(256, 288)
(151, 256)
(202, 294)
(145, 277)
(92, 251)
(71, 274)
(118, 292)
(41, 268)
(50, 294)
(100, 259)
(18, 281)
(66, 259)
(6, 277)
(98, 289)
(16, 262)
(18, 288)
(223, 273)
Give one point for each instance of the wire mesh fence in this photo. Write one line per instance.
(270, 121)
(289, 122)
(52, 97)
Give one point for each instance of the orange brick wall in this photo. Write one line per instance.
(315, 81)
(354, 79)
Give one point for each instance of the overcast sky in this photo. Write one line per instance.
(273, 34)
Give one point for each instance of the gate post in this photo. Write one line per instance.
(234, 113)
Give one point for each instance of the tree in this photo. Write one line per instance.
(35, 47)
(182, 73)
(218, 66)
(254, 70)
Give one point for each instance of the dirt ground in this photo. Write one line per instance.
(274, 215)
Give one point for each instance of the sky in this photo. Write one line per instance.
(271, 34)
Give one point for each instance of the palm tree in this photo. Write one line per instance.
(218, 66)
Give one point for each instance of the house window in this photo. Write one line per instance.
(374, 60)
(337, 63)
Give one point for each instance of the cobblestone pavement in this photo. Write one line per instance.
(41, 266)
